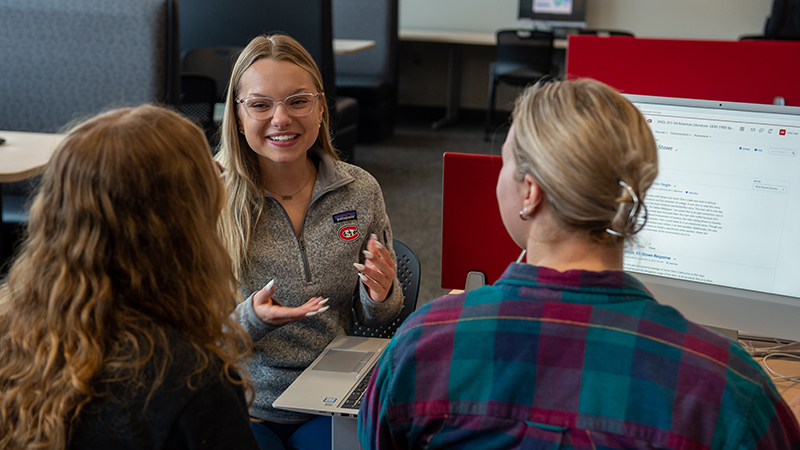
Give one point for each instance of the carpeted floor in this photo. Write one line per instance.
(408, 167)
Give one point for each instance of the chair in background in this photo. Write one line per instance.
(783, 23)
(408, 274)
(523, 57)
(205, 72)
(208, 23)
(215, 62)
(198, 97)
(369, 76)
(65, 60)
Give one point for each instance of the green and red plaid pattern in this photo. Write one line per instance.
(568, 360)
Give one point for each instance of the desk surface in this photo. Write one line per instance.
(348, 46)
(460, 37)
(24, 155)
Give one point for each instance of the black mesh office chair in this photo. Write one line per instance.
(523, 57)
(198, 96)
(408, 275)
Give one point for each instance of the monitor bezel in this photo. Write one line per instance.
(742, 310)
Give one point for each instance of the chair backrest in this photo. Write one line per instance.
(473, 235)
(375, 20)
(64, 60)
(784, 20)
(408, 275)
(198, 96)
(525, 49)
(208, 23)
(215, 62)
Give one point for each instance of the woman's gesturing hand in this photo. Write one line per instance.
(272, 312)
(378, 271)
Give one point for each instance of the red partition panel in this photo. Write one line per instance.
(473, 234)
(738, 71)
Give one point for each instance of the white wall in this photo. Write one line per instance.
(691, 19)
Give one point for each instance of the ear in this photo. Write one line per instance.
(532, 193)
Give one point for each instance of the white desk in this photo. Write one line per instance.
(349, 46)
(461, 37)
(24, 155)
(456, 39)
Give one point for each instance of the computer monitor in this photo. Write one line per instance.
(722, 238)
(553, 13)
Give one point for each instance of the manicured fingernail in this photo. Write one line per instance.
(324, 301)
(323, 309)
(269, 285)
(377, 242)
(368, 254)
(312, 313)
(358, 266)
(362, 276)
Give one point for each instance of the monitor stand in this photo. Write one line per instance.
(728, 333)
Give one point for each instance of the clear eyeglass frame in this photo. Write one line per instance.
(294, 110)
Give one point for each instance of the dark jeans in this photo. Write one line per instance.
(312, 435)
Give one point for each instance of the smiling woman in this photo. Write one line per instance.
(307, 233)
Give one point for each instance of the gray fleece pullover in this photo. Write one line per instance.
(346, 207)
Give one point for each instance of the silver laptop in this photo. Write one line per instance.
(334, 384)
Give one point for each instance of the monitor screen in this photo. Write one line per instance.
(723, 229)
(557, 13)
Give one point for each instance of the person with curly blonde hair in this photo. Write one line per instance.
(116, 326)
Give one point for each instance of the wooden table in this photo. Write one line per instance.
(24, 155)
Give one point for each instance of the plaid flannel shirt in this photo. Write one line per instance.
(572, 360)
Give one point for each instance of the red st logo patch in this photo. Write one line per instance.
(348, 233)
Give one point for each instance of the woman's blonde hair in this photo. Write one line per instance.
(121, 249)
(244, 199)
(579, 139)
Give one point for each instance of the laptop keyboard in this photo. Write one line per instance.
(353, 401)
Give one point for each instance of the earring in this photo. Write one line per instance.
(523, 214)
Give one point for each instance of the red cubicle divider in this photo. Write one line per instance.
(738, 71)
(473, 234)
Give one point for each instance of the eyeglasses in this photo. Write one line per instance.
(263, 108)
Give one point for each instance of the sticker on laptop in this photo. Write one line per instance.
(348, 232)
(329, 401)
(345, 216)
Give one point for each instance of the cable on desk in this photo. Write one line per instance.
(787, 347)
(782, 349)
(775, 375)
